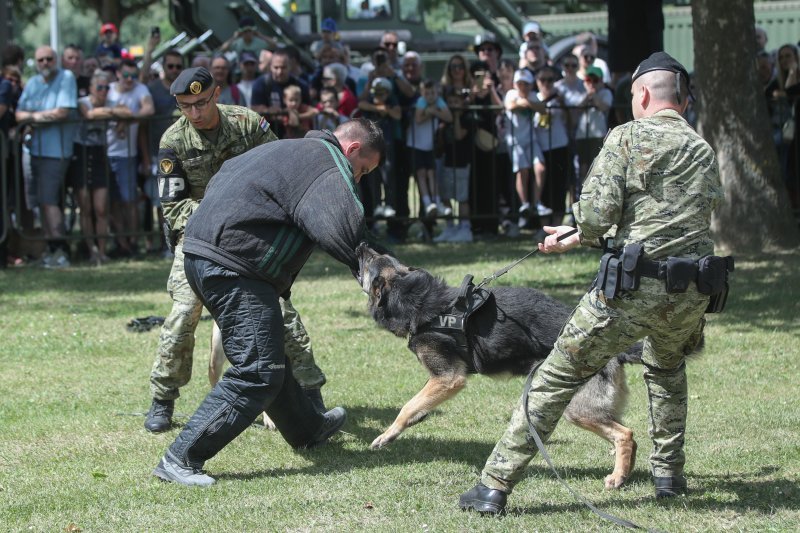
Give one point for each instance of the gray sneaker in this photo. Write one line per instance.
(169, 469)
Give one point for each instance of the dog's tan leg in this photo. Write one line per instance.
(436, 391)
(216, 361)
(624, 447)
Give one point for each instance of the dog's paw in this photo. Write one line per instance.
(614, 481)
(268, 423)
(383, 440)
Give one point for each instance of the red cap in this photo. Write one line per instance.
(108, 27)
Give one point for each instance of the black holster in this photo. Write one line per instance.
(171, 236)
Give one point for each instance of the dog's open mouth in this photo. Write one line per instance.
(365, 255)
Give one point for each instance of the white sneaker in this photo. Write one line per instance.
(444, 210)
(379, 212)
(522, 222)
(525, 210)
(462, 234)
(388, 211)
(431, 211)
(445, 235)
(543, 210)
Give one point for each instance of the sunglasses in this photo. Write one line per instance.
(390, 45)
(588, 56)
(546, 80)
(45, 58)
(570, 65)
(175, 66)
(486, 49)
(129, 75)
(102, 87)
(458, 66)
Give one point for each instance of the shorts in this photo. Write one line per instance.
(48, 175)
(89, 167)
(423, 159)
(523, 156)
(124, 169)
(454, 183)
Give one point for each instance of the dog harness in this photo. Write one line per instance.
(454, 320)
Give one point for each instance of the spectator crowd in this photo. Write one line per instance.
(494, 144)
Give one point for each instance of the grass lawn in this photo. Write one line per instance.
(74, 455)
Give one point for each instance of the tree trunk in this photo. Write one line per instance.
(756, 214)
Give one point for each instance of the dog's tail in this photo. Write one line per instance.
(633, 356)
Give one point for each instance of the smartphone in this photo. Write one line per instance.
(155, 31)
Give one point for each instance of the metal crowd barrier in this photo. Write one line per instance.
(491, 178)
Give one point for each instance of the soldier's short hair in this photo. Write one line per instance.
(365, 131)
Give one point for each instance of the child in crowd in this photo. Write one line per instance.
(457, 153)
(298, 118)
(328, 116)
(520, 104)
(429, 110)
(381, 107)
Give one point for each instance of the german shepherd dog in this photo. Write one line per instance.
(513, 331)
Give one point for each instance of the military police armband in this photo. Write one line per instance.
(172, 183)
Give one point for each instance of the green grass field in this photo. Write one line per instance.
(74, 455)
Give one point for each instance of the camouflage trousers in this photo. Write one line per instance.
(671, 326)
(172, 368)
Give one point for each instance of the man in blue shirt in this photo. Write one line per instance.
(50, 96)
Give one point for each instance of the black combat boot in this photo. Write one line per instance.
(669, 487)
(159, 417)
(482, 499)
(334, 420)
(315, 395)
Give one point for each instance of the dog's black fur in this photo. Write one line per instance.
(513, 331)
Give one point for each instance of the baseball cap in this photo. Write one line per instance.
(531, 27)
(523, 74)
(328, 24)
(108, 26)
(381, 83)
(597, 72)
(248, 57)
(487, 38)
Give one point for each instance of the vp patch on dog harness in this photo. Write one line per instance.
(454, 320)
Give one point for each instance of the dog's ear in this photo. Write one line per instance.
(379, 289)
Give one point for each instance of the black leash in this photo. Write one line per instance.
(505, 269)
(539, 444)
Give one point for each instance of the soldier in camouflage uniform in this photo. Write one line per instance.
(658, 182)
(191, 151)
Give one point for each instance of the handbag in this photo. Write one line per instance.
(484, 140)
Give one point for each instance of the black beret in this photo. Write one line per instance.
(661, 61)
(192, 81)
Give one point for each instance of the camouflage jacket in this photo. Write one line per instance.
(657, 181)
(187, 160)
